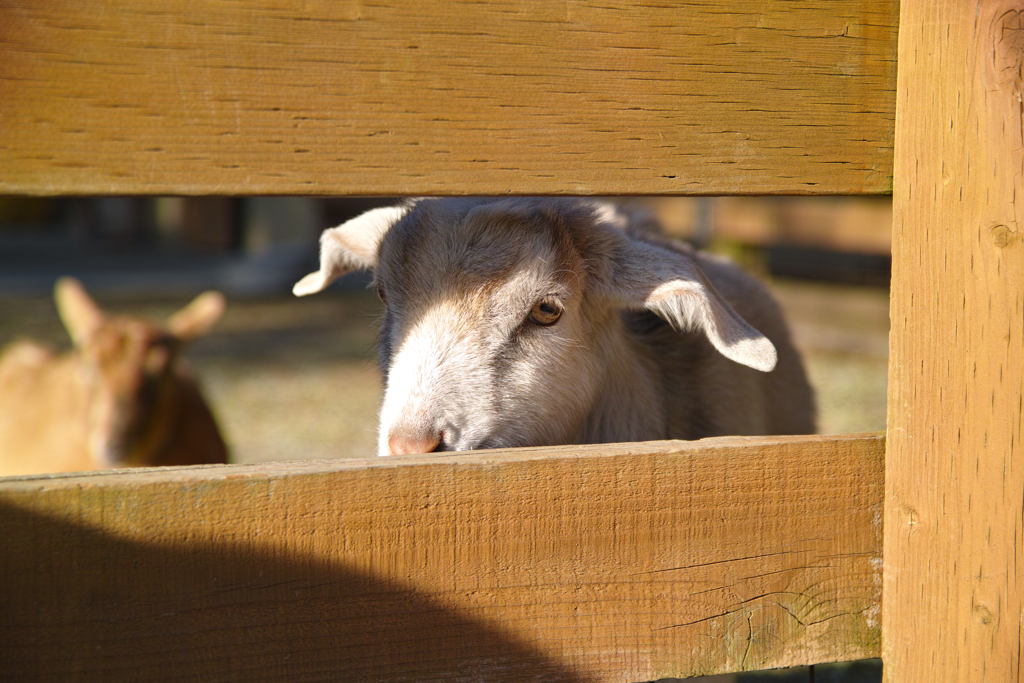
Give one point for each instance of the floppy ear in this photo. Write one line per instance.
(79, 313)
(198, 317)
(670, 284)
(350, 246)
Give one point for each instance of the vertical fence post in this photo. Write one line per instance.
(954, 524)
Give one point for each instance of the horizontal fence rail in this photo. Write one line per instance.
(625, 562)
(429, 97)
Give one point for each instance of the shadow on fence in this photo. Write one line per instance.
(83, 605)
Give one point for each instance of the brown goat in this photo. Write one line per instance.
(120, 398)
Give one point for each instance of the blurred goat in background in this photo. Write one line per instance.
(121, 398)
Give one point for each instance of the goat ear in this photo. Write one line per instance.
(79, 313)
(198, 317)
(350, 246)
(670, 284)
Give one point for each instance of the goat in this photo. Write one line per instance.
(120, 398)
(525, 322)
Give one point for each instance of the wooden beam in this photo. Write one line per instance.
(434, 97)
(624, 562)
(954, 575)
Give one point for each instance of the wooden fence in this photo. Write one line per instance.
(614, 563)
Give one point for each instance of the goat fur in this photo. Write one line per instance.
(121, 397)
(654, 340)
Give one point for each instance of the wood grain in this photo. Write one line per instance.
(622, 562)
(954, 576)
(431, 97)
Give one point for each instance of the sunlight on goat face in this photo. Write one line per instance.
(120, 398)
(473, 353)
(541, 321)
(124, 370)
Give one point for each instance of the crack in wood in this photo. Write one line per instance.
(714, 562)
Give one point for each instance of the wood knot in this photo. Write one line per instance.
(1004, 235)
(1008, 55)
(982, 614)
(911, 516)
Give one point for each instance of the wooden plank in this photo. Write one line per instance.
(429, 97)
(954, 536)
(623, 562)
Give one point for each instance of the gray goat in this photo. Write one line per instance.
(526, 322)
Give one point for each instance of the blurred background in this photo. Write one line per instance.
(292, 378)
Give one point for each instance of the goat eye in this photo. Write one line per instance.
(545, 313)
(380, 293)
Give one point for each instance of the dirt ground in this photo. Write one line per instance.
(296, 378)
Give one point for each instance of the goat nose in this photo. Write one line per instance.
(403, 444)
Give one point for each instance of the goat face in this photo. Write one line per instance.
(502, 316)
(129, 370)
(125, 368)
(487, 329)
